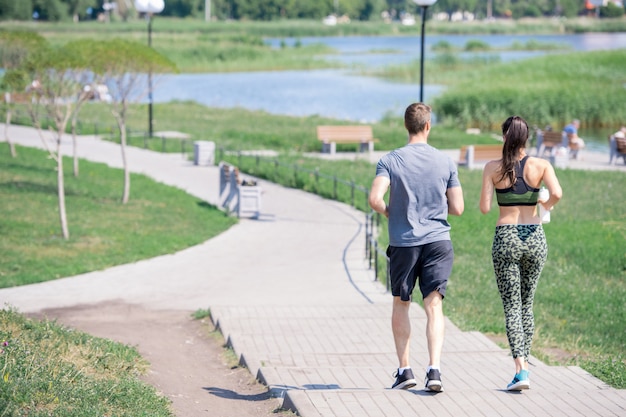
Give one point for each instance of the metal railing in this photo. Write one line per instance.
(373, 253)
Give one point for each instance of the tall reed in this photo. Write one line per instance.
(546, 90)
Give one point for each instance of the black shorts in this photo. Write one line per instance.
(431, 264)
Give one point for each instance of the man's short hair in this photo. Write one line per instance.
(416, 116)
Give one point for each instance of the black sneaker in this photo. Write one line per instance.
(405, 380)
(433, 381)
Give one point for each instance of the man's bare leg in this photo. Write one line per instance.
(401, 327)
(435, 327)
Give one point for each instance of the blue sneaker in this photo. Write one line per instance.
(404, 380)
(520, 382)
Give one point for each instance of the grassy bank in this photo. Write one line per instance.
(545, 90)
(50, 370)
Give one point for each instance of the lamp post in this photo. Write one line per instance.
(424, 4)
(149, 7)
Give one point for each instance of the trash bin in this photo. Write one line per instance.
(204, 152)
(249, 204)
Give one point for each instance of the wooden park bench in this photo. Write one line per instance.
(472, 154)
(332, 135)
(551, 142)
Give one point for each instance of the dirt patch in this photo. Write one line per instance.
(188, 364)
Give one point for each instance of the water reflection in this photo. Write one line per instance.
(329, 93)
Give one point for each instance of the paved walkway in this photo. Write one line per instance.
(292, 294)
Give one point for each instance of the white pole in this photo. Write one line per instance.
(207, 10)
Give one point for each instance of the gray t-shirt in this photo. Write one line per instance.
(418, 206)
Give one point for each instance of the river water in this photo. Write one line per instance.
(344, 95)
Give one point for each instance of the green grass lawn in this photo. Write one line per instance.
(103, 232)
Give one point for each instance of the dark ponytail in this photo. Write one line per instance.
(515, 133)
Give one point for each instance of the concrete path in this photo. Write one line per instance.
(294, 297)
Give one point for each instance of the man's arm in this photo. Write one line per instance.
(456, 204)
(380, 185)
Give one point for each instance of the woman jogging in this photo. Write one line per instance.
(519, 248)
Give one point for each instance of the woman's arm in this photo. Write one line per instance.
(486, 192)
(552, 184)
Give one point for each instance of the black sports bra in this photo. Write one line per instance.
(519, 194)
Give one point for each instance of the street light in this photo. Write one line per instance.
(149, 7)
(424, 4)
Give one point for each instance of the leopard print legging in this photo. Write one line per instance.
(519, 253)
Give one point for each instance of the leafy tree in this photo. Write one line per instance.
(123, 65)
(15, 46)
(567, 8)
(310, 9)
(16, 10)
(51, 10)
(259, 10)
(611, 10)
(183, 8)
(453, 6)
(85, 78)
(371, 9)
(56, 74)
(78, 8)
(55, 10)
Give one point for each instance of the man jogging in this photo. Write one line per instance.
(424, 188)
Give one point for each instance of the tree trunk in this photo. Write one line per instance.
(6, 133)
(126, 194)
(74, 146)
(61, 189)
(7, 99)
